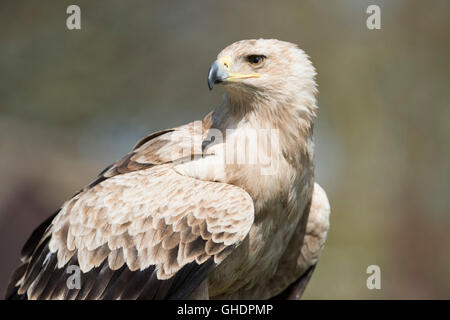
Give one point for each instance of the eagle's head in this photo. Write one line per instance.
(268, 68)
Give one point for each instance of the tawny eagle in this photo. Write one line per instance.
(221, 208)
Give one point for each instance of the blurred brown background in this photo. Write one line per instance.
(72, 102)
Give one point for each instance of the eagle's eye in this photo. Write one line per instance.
(255, 60)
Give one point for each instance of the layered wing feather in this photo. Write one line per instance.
(140, 230)
(151, 217)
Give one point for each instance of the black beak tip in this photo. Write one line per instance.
(210, 84)
(213, 75)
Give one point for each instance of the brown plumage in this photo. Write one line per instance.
(225, 207)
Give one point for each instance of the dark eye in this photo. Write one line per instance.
(255, 59)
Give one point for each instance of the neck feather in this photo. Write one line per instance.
(291, 115)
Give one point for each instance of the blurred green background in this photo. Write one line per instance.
(72, 102)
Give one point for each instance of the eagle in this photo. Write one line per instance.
(221, 208)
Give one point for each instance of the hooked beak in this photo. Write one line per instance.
(217, 74)
(220, 71)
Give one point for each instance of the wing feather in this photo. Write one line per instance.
(140, 230)
(126, 225)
